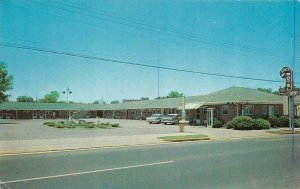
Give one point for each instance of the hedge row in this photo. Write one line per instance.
(247, 123)
(282, 121)
(81, 124)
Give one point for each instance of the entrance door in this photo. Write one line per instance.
(271, 110)
(210, 117)
(7, 114)
(34, 115)
(41, 115)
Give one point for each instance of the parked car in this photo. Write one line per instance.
(154, 118)
(171, 119)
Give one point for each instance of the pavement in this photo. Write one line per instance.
(131, 133)
(256, 163)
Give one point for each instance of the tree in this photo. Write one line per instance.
(114, 102)
(25, 99)
(51, 97)
(6, 83)
(174, 94)
(96, 102)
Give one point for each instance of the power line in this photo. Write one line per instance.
(117, 16)
(13, 45)
(170, 32)
(184, 38)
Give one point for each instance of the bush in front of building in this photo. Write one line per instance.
(217, 124)
(283, 121)
(297, 123)
(274, 121)
(261, 124)
(229, 125)
(242, 123)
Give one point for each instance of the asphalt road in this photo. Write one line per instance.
(252, 163)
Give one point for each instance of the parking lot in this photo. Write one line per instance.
(34, 129)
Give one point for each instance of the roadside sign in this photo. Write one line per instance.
(287, 74)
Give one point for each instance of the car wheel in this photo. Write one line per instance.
(165, 123)
(150, 122)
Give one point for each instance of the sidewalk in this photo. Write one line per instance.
(47, 145)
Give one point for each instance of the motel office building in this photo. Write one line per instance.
(226, 104)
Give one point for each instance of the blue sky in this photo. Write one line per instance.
(242, 38)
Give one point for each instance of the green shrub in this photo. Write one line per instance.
(217, 124)
(297, 123)
(60, 126)
(49, 124)
(283, 121)
(274, 121)
(265, 116)
(90, 126)
(229, 125)
(242, 123)
(70, 126)
(102, 126)
(261, 124)
(115, 125)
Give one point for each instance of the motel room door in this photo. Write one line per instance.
(271, 110)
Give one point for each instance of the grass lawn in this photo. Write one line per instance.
(283, 132)
(182, 138)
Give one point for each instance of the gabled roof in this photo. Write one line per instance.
(229, 95)
(237, 94)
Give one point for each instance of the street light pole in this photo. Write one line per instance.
(67, 92)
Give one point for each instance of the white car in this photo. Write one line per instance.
(154, 118)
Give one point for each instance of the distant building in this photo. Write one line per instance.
(226, 104)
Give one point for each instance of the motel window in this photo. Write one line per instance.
(276, 110)
(265, 110)
(248, 110)
(225, 110)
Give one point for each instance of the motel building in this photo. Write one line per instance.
(223, 105)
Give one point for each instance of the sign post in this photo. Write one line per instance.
(287, 74)
(183, 122)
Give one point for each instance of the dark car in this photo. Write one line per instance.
(154, 118)
(171, 119)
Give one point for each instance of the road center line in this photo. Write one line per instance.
(85, 172)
